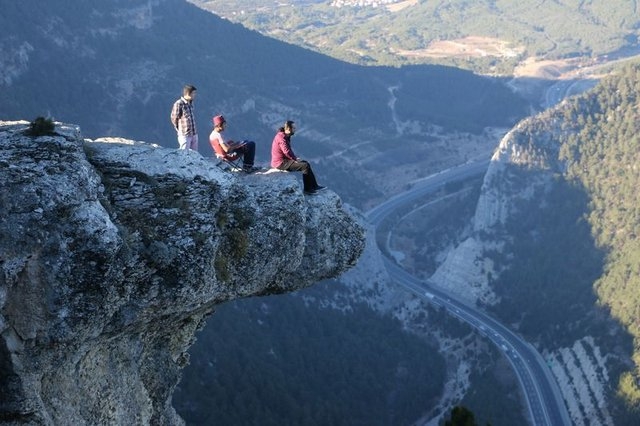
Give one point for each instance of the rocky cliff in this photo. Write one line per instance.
(533, 146)
(113, 253)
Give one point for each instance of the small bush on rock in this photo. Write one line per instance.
(41, 127)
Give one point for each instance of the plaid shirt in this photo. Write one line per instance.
(182, 117)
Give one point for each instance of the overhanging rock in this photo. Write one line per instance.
(112, 252)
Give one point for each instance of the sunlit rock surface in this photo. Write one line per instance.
(112, 254)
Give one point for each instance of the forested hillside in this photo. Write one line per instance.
(570, 266)
(274, 361)
(604, 157)
(487, 36)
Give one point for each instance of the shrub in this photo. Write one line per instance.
(41, 127)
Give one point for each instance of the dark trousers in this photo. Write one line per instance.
(248, 151)
(308, 178)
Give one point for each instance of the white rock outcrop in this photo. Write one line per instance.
(467, 270)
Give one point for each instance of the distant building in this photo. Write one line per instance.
(362, 3)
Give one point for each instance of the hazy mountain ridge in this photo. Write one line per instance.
(558, 220)
(116, 67)
(489, 37)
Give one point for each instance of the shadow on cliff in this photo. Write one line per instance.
(552, 266)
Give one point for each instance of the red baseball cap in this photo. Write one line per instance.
(218, 120)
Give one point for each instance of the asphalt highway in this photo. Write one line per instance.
(545, 403)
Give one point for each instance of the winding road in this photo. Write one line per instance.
(545, 403)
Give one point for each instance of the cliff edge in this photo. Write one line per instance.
(112, 254)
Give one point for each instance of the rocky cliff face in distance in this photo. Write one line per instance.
(531, 145)
(113, 253)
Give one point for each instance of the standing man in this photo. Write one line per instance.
(183, 119)
(283, 158)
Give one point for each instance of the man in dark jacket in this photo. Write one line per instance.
(283, 158)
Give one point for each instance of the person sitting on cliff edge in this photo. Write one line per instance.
(283, 158)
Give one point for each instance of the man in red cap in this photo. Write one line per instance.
(245, 148)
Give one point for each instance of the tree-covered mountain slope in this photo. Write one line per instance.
(557, 227)
(492, 36)
(604, 157)
(279, 361)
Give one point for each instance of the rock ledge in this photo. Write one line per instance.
(112, 254)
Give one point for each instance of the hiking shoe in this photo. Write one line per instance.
(309, 192)
(250, 169)
(319, 188)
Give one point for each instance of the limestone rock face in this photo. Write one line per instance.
(530, 149)
(531, 146)
(112, 254)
